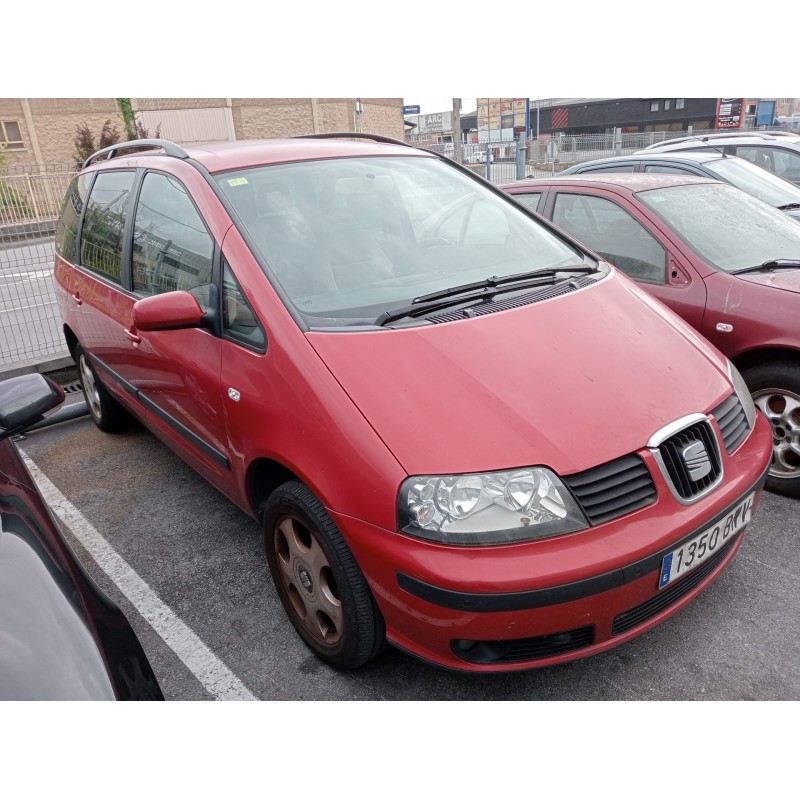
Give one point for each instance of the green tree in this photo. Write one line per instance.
(84, 140)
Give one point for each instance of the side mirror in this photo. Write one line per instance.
(167, 311)
(25, 400)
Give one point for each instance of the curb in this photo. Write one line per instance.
(55, 364)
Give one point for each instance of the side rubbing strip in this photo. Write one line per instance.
(178, 427)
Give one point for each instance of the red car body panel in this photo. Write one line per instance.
(476, 395)
(702, 295)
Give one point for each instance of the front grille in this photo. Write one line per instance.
(732, 422)
(515, 650)
(679, 471)
(514, 302)
(612, 489)
(664, 599)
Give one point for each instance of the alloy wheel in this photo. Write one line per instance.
(782, 409)
(308, 580)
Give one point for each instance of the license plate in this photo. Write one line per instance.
(691, 554)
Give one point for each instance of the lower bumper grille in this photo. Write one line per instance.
(663, 600)
(515, 650)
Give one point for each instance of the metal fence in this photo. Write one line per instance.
(30, 324)
(31, 195)
(499, 162)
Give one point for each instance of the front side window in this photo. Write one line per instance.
(239, 322)
(171, 247)
(350, 238)
(730, 229)
(610, 169)
(613, 233)
(69, 219)
(104, 223)
(783, 163)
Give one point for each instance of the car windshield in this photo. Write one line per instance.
(759, 182)
(349, 238)
(730, 229)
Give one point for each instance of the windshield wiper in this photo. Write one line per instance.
(788, 206)
(775, 263)
(494, 281)
(486, 290)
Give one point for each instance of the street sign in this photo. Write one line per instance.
(410, 110)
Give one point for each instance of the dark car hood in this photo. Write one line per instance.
(569, 382)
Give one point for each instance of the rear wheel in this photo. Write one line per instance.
(106, 412)
(319, 583)
(776, 392)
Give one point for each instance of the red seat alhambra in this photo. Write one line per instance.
(464, 434)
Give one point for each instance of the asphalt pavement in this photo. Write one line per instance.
(203, 562)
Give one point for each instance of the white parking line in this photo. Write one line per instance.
(216, 678)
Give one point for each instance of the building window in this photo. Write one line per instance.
(679, 104)
(10, 136)
(654, 105)
(667, 105)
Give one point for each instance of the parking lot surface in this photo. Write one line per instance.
(189, 570)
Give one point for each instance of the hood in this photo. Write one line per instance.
(568, 383)
(788, 279)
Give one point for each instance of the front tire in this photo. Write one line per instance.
(106, 412)
(319, 583)
(775, 389)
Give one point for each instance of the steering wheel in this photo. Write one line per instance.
(425, 244)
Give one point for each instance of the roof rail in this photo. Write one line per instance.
(169, 148)
(375, 137)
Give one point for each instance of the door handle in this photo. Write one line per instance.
(77, 298)
(132, 336)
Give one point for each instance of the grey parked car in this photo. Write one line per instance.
(707, 164)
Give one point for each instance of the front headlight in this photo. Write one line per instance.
(743, 393)
(488, 507)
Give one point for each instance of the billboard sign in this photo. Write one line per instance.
(729, 112)
(410, 110)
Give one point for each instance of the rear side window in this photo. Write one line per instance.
(104, 224)
(530, 200)
(172, 248)
(67, 228)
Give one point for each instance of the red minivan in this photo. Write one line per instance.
(463, 434)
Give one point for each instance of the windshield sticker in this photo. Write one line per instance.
(659, 198)
(237, 181)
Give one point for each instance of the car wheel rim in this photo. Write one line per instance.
(782, 409)
(90, 388)
(308, 581)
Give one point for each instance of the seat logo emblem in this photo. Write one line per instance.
(697, 460)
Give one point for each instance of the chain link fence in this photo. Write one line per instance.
(30, 323)
(498, 160)
(31, 195)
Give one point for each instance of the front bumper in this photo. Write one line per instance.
(554, 600)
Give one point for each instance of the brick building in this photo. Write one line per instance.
(42, 130)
